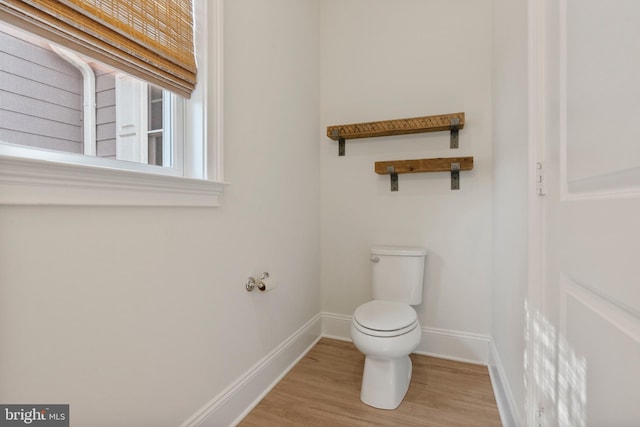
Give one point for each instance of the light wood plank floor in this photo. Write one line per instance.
(323, 389)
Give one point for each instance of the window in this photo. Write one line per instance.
(74, 131)
(55, 99)
(143, 118)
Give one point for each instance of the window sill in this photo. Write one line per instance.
(40, 182)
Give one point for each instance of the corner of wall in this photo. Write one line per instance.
(509, 413)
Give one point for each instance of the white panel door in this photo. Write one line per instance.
(588, 326)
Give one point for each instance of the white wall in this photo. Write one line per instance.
(138, 316)
(510, 206)
(386, 59)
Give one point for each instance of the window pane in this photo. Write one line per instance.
(46, 94)
(40, 95)
(155, 108)
(155, 150)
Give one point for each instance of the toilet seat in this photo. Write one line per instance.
(385, 318)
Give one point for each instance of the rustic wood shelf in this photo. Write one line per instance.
(444, 164)
(438, 123)
(424, 165)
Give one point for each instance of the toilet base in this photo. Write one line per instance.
(385, 382)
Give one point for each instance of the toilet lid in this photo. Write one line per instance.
(385, 316)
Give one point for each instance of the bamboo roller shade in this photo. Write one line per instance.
(424, 165)
(395, 127)
(150, 39)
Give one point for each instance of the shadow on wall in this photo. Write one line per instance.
(432, 284)
(559, 375)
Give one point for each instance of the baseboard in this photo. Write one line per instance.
(509, 413)
(230, 406)
(455, 345)
(446, 344)
(336, 326)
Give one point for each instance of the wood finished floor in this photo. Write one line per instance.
(323, 389)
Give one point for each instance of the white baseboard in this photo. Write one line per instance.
(509, 413)
(336, 326)
(230, 406)
(446, 344)
(455, 345)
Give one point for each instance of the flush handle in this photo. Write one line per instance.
(374, 259)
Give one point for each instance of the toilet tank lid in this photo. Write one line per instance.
(398, 251)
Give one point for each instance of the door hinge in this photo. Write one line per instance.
(540, 184)
(540, 416)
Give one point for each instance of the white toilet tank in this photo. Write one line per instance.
(398, 273)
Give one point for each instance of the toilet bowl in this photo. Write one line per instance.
(386, 329)
(386, 332)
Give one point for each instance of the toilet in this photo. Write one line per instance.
(386, 330)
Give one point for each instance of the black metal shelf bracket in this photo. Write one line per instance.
(341, 142)
(394, 178)
(455, 125)
(455, 176)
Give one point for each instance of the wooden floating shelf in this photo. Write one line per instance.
(452, 122)
(424, 165)
(395, 127)
(445, 164)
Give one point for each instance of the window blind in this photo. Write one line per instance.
(150, 39)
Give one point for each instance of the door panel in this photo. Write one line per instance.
(602, 90)
(591, 294)
(595, 372)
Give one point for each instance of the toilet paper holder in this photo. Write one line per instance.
(252, 283)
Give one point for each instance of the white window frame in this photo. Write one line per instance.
(43, 177)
